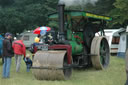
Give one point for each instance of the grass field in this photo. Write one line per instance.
(113, 75)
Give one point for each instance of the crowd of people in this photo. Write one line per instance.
(17, 49)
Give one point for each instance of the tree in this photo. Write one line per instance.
(5, 3)
(119, 13)
(20, 15)
(102, 7)
(11, 20)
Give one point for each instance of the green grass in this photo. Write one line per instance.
(113, 75)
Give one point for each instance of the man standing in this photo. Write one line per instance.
(126, 61)
(7, 54)
(19, 50)
(1, 48)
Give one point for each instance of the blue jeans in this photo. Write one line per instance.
(28, 67)
(6, 67)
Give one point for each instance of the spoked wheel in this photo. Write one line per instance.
(101, 52)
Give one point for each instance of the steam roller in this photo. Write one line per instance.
(73, 45)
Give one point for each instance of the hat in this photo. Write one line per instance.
(28, 55)
(8, 34)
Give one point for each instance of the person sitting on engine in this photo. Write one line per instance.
(37, 39)
(33, 46)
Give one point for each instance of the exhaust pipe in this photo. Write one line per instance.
(61, 22)
(61, 17)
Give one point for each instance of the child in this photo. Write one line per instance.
(28, 62)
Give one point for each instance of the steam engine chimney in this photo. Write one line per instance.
(61, 23)
(61, 17)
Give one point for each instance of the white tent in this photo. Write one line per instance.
(123, 44)
(110, 35)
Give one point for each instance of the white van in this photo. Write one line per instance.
(28, 38)
(113, 38)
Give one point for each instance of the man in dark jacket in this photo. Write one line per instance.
(7, 54)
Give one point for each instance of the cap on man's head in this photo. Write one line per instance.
(8, 34)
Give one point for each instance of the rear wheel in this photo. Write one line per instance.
(100, 49)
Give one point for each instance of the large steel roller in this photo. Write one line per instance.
(51, 65)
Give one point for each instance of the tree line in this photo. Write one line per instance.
(17, 16)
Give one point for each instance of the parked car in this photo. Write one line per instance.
(28, 38)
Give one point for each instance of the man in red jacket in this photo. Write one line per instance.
(19, 50)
